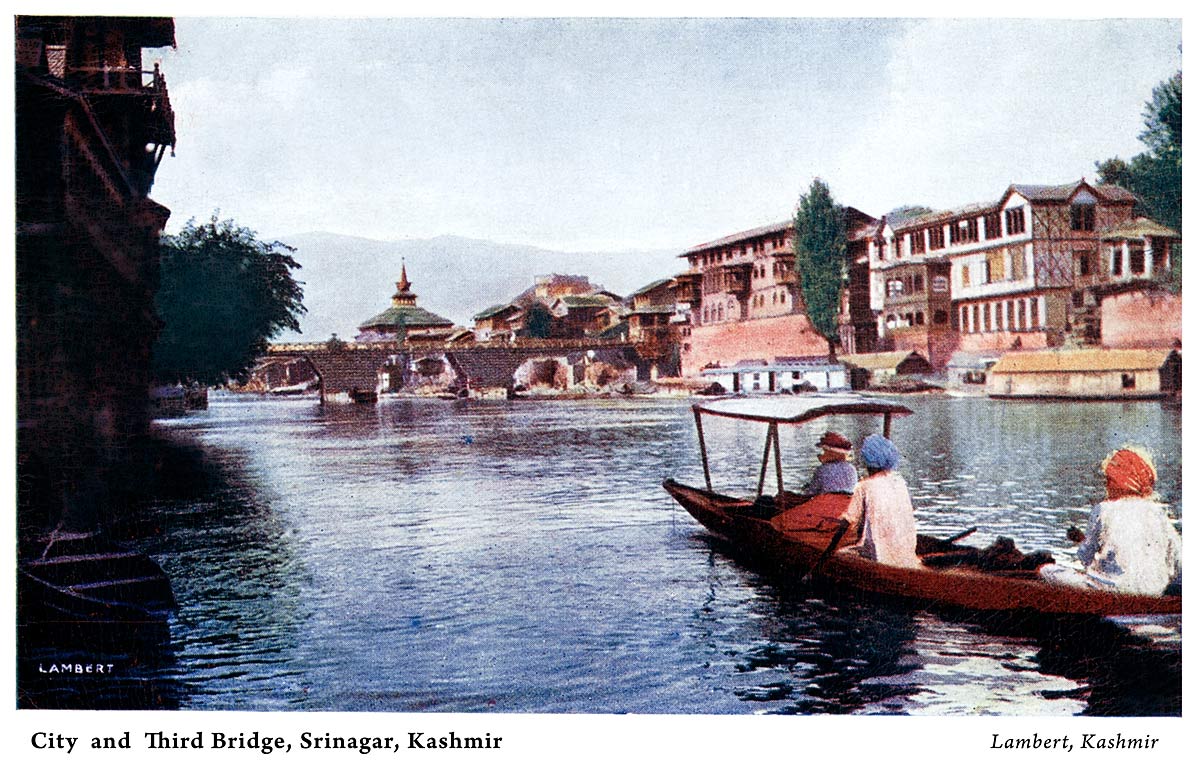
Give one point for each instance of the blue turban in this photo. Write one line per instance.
(878, 452)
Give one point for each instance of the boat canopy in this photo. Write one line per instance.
(795, 409)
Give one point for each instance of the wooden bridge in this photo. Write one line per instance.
(345, 368)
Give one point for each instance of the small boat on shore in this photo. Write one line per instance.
(793, 537)
(81, 577)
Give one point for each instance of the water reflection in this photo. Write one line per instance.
(438, 556)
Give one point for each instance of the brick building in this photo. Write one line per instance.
(1018, 272)
(740, 300)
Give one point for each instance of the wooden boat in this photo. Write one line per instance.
(791, 537)
(82, 577)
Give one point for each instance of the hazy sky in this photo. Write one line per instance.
(635, 133)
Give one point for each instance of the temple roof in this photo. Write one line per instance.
(406, 316)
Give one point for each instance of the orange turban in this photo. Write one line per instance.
(1129, 472)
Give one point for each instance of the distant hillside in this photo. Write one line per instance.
(349, 279)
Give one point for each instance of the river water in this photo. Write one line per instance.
(420, 555)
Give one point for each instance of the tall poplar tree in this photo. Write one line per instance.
(820, 245)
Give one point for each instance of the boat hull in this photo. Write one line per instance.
(793, 555)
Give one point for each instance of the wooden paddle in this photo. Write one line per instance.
(833, 543)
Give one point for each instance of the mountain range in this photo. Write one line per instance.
(348, 279)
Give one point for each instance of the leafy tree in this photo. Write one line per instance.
(1156, 176)
(223, 294)
(820, 244)
(539, 322)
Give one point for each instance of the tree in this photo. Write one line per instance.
(820, 245)
(1156, 176)
(223, 294)
(539, 322)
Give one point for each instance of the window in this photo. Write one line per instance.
(966, 276)
(1117, 261)
(1083, 217)
(1128, 381)
(987, 318)
(1011, 318)
(1016, 258)
(1137, 259)
(940, 317)
(937, 238)
(940, 284)
(991, 225)
(1158, 254)
(918, 242)
(918, 283)
(964, 231)
(1019, 319)
(1015, 220)
(995, 263)
(962, 318)
(1034, 322)
(1085, 261)
(919, 319)
(896, 248)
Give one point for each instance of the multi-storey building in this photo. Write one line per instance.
(742, 299)
(93, 120)
(1020, 271)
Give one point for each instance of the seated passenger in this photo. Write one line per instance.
(1130, 545)
(835, 474)
(883, 507)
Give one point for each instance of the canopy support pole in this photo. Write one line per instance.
(887, 425)
(778, 460)
(703, 450)
(762, 475)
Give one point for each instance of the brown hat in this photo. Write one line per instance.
(835, 441)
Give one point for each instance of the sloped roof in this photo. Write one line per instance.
(1037, 193)
(654, 285)
(613, 333)
(585, 301)
(650, 310)
(965, 210)
(1066, 190)
(495, 310)
(883, 360)
(1138, 228)
(406, 316)
(741, 236)
(1081, 360)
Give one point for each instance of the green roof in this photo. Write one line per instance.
(615, 332)
(586, 301)
(494, 310)
(406, 316)
(653, 285)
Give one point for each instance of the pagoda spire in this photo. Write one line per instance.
(404, 295)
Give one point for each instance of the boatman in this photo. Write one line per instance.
(882, 506)
(1130, 545)
(835, 474)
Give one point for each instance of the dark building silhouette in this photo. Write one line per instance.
(93, 120)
